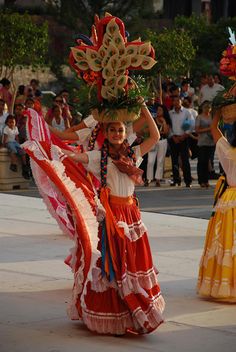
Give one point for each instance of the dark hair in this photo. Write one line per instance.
(189, 99)
(54, 107)
(185, 81)
(5, 82)
(21, 89)
(29, 99)
(19, 104)
(10, 117)
(38, 93)
(34, 80)
(166, 114)
(56, 97)
(173, 88)
(219, 77)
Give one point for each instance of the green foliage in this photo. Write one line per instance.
(85, 98)
(194, 25)
(174, 51)
(222, 99)
(209, 40)
(22, 43)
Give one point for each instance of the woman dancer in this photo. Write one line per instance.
(217, 268)
(123, 292)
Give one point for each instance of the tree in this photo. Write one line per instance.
(79, 14)
(174, 53)
(209, 40)
(22, 43)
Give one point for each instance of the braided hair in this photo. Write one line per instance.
(128, 151)
(93, 136)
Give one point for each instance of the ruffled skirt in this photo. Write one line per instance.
(132, 301)
(217, 272)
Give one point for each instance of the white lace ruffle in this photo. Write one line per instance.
(217, 289)
(223, 206)
(133, 231)
(111, 323)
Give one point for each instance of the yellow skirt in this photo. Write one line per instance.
(217, 272)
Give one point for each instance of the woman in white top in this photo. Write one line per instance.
(217, 277)
(58, 121)
(158, 152)
(123, 294)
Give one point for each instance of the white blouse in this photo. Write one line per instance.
(119, 183)
(59, 126)
(227, 156)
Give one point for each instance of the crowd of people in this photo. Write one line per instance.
(182, 114)
(184, 119)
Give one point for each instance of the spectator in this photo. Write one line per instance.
(193, 137)
(174, 91)
(57, 120)
(217, 78)
(65, 95)
(58, 100)
(210, 90)
(20, 122)
(11, 142)
(34, 85)
(3, 116)
(187, 104)
(20, 95)
(206, 145)
(158, 152)
(182, 126)
(5, 93)
(29, 103)
(186, 90)
(166, 95)
(37, 102)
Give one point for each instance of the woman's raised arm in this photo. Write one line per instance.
(154, 136)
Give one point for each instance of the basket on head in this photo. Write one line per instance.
(229, 113)
(115, 115)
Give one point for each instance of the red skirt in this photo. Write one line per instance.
(133, 300)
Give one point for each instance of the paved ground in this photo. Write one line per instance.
(195, 202)
(36, 285)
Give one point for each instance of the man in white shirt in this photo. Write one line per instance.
(182, 126)
(209, 90)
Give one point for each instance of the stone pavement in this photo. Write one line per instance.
(36, 285)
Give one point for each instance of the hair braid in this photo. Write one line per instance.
(93, 137)
(104, 157)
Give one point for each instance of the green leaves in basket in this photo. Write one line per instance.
(223, 98)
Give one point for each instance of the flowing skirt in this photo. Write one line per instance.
(131, 298)
(132, 301)
(217, 272)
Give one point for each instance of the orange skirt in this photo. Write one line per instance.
(133, 300)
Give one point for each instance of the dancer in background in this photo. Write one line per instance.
(216, 277)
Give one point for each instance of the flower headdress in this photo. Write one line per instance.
(105, 61)
(228, 62)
